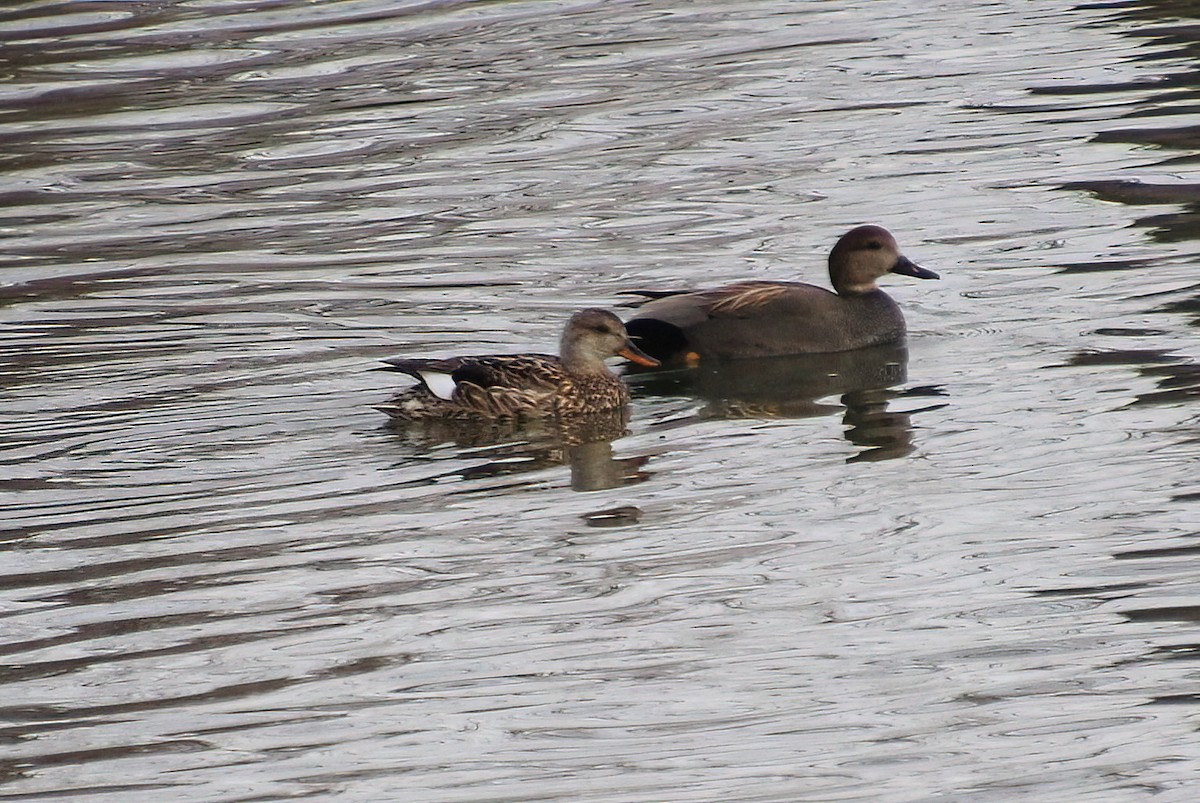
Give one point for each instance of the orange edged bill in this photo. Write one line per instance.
(635, 354)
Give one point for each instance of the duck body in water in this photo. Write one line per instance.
(766, 319)
(506, 386)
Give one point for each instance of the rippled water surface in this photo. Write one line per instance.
(965, 570)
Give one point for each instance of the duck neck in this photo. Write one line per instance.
(848, 279)
(848, 287)
(576, 360)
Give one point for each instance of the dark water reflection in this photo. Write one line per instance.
(970, 574)
(1164, 97)
(507, 447)
(861, 385)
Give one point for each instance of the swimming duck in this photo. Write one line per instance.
(523, 385)
(764, 319)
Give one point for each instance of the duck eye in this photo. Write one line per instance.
(874, 245)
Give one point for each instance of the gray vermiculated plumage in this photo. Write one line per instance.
(764, 318)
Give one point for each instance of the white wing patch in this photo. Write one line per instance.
(440, 384)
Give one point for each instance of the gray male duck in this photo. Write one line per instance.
(512, 386)
(766, 319)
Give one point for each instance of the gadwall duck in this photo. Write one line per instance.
(765, 319)
(523, 385)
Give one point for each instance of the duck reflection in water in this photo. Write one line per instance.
(506, 447)
(865, 381)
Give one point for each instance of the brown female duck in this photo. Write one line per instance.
(764, 319)
(523, 385)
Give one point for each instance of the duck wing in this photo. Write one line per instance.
(515, 371)
(538, 372)
(739, 301)
(750, 299)
(498, 401)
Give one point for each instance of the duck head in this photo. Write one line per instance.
(863, 254)
(592, 336)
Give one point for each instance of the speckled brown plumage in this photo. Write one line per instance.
(489, 387)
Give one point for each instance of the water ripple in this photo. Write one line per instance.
(854, 578)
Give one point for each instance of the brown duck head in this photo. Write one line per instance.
(593, 335)
(865, 253)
